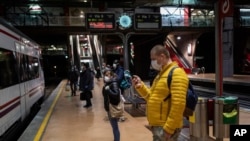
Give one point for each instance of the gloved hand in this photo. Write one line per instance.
(107, 87)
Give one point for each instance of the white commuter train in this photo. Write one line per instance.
(21, 77)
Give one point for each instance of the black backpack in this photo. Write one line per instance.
(191, 98)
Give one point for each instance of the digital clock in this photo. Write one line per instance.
(100, 20)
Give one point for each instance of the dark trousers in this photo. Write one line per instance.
(73, 87)
(88, 98)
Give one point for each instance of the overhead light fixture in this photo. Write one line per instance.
(35, 9)
(81, 14)
(178, 37)
(85, 1)
(244, 10)
(189, 49)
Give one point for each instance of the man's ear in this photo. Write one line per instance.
(163, 55)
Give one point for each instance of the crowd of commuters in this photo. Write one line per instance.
(165, 118)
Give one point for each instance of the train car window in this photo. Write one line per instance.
(25, 63)
(18, 65)
(28, 68)
(34, 67)
(8, 69)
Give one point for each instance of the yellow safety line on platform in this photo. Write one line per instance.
(46, 119)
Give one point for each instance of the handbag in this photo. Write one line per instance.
(67, 87)
(83, 95)
(116, 111)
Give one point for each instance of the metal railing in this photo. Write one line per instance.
(22, 19)
(45, 20)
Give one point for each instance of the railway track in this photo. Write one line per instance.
(243, 98)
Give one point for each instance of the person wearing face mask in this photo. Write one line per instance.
(119, 71)
(111, 94)
(87, 84)
(165, 116)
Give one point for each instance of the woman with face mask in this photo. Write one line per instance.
(111, 94)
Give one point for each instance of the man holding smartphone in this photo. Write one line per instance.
(165, 117)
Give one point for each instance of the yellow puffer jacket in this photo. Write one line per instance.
(169, 113)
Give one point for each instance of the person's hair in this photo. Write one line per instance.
(86, 65)
(116, 62)
(108, 70)
(112, 74)
(160, 49)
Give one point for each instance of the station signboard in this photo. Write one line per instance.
(147, 21)
(100, 21)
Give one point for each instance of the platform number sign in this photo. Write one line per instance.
(100, 21)
(147, 21)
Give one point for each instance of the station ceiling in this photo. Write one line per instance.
(41, 33)
(115, 3)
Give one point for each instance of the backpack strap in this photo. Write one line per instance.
(169, 80)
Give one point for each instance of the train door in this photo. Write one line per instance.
(22, 79)
(9, 88)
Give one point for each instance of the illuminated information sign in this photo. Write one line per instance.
(147, 21)
(100, 20)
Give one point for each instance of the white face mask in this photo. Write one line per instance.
(155, 65)
(114, 66)
(106, 79)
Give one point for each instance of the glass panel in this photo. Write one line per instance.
(8, 63)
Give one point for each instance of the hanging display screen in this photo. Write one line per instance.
(147, 21)
(100, 20)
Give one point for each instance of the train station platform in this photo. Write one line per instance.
(63, 117)
(210, 77)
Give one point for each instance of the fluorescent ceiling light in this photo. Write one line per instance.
(35, 8)
(244, 10)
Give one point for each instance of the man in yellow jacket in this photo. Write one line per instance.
(164, 116)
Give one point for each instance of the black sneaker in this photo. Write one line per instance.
(87, 106)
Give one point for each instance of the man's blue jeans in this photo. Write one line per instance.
(115, 127)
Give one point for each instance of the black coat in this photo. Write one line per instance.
(86, 80)
(120, 73)
(73, 75)
(98, 73)
(112, 94)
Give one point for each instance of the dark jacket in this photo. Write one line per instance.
(86, 80)
(119, 71)
(73, 75)
(98, 73)
(112, 94)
